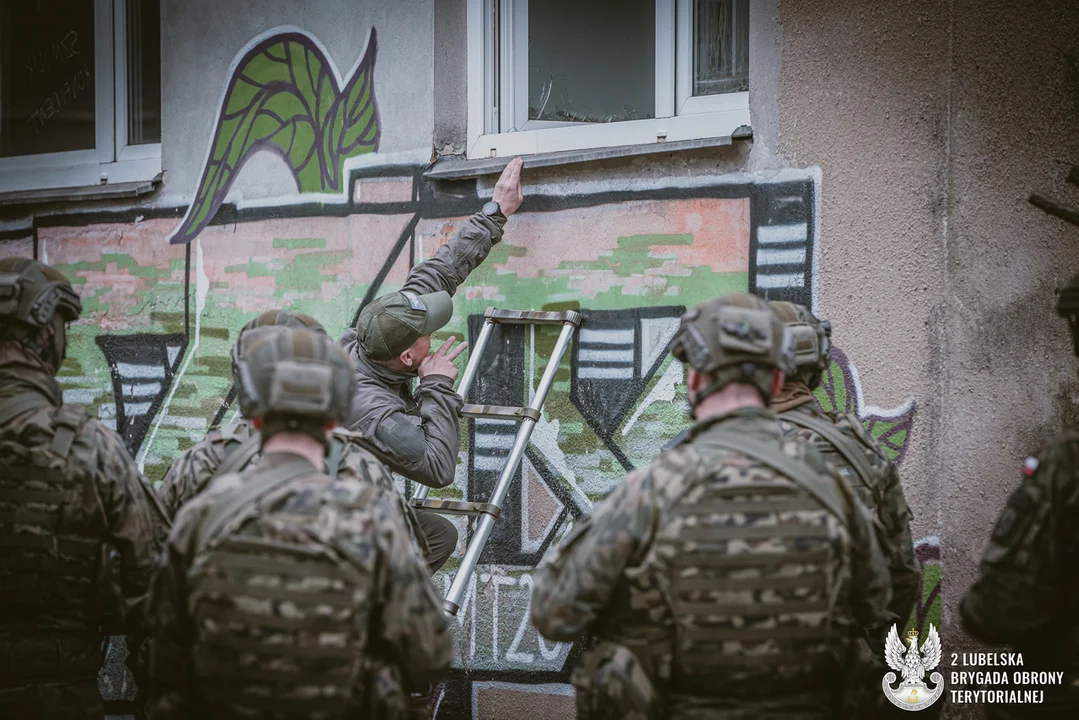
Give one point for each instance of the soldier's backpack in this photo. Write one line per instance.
(280, 617)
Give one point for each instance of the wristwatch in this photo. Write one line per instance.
(493, 210)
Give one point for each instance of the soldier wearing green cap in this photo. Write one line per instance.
(419, 430)
(1028, 589)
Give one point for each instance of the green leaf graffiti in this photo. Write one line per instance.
(284, 95)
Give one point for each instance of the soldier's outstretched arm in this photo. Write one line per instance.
(451, 263)
(1017, 597)
(411, 622)
(905, 569)
(170, 670)
(138, 525)
(575, 581)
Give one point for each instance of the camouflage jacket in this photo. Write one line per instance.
(405, 625)
(96, 578)
(190, 473)
(420, 431)
(881, 492)
(1027, 592)
(611, 576)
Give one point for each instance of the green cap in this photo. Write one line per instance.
(392, 323)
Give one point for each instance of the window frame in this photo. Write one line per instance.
(112, 160)
(679, 115)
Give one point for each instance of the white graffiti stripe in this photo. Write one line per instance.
(591, 372)
(130, 371)
(82, 396)
(794, 232)
(489, 462)
(501, 441)
(610, 336)
(141, 390)
(786, 280)
(135, 409)
(619, 356)
(766, 256)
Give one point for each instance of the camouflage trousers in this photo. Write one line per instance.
(611, 683)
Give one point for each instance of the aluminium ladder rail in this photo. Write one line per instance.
(528, 417)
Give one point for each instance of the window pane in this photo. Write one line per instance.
(46, 76)
(143, 72)
(720, 46)
(588, 64)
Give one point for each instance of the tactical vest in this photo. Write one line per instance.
(280, 619)
(753, 574)
(52, 548)
(846, 454)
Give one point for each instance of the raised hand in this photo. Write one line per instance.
(508, 193)
(440, 362)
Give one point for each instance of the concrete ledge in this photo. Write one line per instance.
(77, 194)
(454, 168)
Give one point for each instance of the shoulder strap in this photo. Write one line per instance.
(841, 442)
(230, 503)
(832, 495)
(333, 459)
(15, 406)
(241, 456)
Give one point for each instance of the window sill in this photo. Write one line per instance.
(455, 168)
(605, 135)
(111, 191)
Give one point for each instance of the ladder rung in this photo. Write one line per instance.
(457, 507)
(533, 317)
(500, 412)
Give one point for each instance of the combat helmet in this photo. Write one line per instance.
(269, 319)
(734, 338)
(1068, 308)
(32, 295)
(294, 379)
(811, 340)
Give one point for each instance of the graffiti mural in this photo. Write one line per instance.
(285, 95)
(163, 302)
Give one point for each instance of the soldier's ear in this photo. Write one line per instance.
(777, 383)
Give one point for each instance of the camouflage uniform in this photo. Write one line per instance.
(80, 532)
(285, 592)
(1027, 592)
(718, 586)
(875, 476)
(195, 468)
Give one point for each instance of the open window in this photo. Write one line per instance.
(551, 75)
(80, 93)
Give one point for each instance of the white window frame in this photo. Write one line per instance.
(679, 115)
(112, 160)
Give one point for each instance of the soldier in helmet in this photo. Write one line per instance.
(76, 518)
(285, 592)
(1028, 589)
(843, 442)
(732, 576)
(232, 447)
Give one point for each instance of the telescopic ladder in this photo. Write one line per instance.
(489, 512)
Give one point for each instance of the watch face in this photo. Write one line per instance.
(491, 208)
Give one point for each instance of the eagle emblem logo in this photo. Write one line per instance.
(912, 664)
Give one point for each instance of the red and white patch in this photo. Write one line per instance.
(1030, 465)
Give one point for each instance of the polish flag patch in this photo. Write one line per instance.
(1030, 465)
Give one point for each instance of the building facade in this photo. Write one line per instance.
(191, 164)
